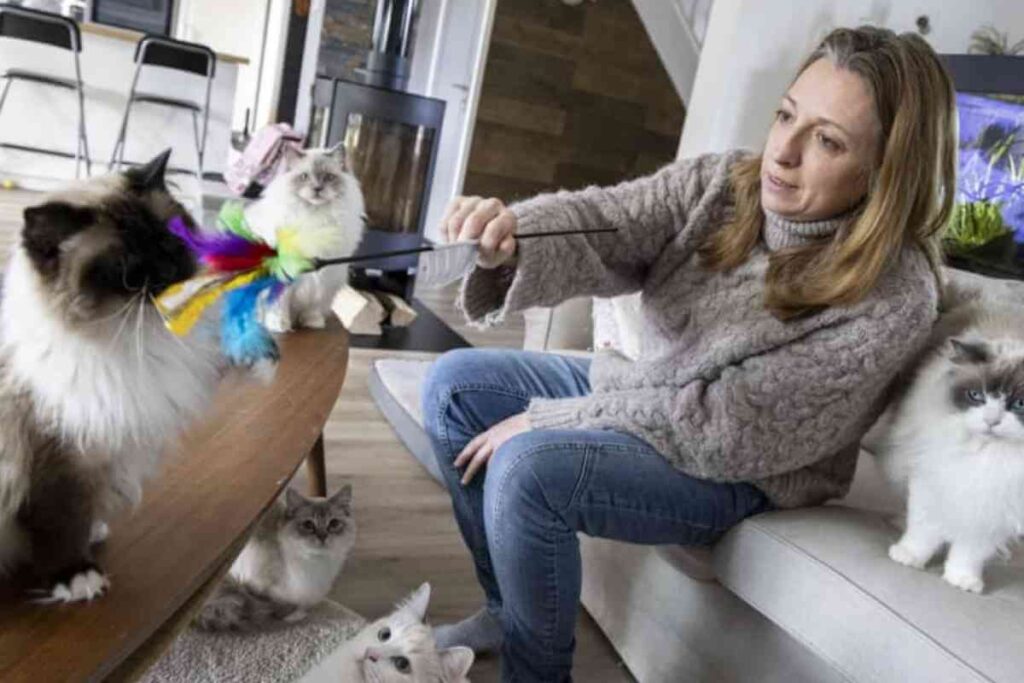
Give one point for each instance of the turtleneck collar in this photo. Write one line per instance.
(780, 233)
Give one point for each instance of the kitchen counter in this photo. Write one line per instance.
(45, 118)
(134, 36)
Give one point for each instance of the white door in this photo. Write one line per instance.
(453, 54)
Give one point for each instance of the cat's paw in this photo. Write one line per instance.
(313, 321)
(87, 584)
(99, 532)
(899, 552)
(296, 616)
(275, 321)
(967, 581)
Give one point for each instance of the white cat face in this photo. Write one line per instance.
(990, 417)
(400, 648)
(986, 391)
(319, 176)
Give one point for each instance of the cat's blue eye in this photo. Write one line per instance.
(384, 635)
(303, 177)
(1018, 405)
(401, 663)
(975, 396)
(330, 177)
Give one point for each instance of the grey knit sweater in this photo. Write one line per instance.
(722, 389)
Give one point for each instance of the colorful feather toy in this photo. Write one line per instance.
(247, 271)
(242, 269)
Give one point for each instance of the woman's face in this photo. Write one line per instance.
(822, 147)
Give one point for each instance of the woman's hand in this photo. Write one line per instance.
(487, 220)
(478, 451)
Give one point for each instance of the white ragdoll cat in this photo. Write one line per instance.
(956, 441)
(398, 648)
(319, 198)
(288, 566)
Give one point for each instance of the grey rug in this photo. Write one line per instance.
(281, 655)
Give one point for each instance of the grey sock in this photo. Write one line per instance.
(480, 633)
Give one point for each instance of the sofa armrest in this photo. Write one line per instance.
(566, 327)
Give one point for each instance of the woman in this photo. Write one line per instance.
(781, 293)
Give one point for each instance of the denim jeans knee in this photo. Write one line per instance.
(526, 477)
(450, 370)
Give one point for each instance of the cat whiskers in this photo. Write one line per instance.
(115, 314)
(172, 335)
(125, 313)
(140, 327)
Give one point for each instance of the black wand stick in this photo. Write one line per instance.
(320, 263)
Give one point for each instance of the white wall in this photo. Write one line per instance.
(674, 39)
(753, 48)
(448, 63)
(236, 27)
(676, 28)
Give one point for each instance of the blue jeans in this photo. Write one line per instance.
(520, 515)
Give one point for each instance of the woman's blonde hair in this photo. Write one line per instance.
(910, 193)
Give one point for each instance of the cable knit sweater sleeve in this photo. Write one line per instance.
(647, 213)
(772, 413)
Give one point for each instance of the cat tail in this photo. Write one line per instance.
(235, 607)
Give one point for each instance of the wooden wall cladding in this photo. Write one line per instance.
(347, 35)
(572, 96)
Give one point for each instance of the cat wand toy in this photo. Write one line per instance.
(244, 270)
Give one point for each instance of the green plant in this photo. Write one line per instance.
(989, 41)
(974, 224)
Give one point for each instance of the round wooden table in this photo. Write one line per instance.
(164, 557)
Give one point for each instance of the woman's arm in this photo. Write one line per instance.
(770, 414)
(647, 213)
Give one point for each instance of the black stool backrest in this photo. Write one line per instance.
(176, 54)
(39, 27)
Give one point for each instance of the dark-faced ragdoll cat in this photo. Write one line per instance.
(288, 566)
(398, 648)
(93, 387)
(956, 442)
(318, 198)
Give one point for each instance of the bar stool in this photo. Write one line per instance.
(171, 54)
(51, 29)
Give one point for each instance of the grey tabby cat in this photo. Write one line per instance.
(93, 386)
(288, 566)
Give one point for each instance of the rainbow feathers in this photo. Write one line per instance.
(242, 269)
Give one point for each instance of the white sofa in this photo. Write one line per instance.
(800, 595)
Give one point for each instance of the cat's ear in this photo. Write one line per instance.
(455, 663)
(338, 153)
(968, 353)
(343, 498)
(416, 603)
(150, 176)
(293, 156)
(46, 228)
(293, 499)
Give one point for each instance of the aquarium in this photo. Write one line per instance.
(986, 230)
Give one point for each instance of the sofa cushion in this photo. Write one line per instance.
(567, 326)
(824, 575)
(395, 385)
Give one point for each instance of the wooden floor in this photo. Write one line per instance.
(406, 531)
